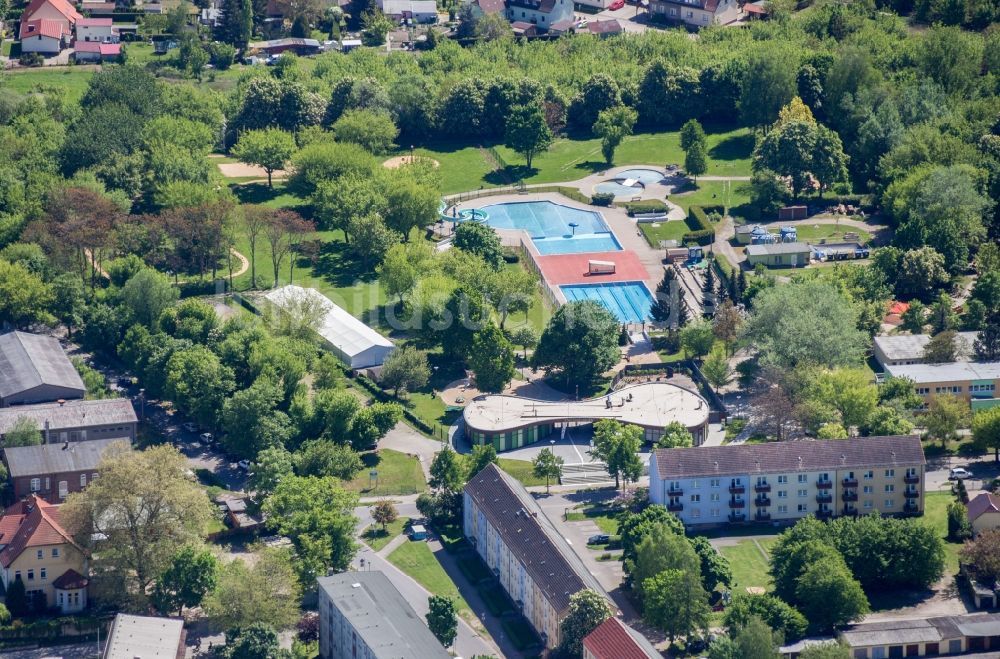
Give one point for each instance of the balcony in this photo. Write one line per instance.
(911, 494)
(850, 482)
(762, 517)
(737, 517)
(911, 508)
(824, 514)
(824, 497)
(762, 501)
(675, 492)
(675, 506)
(911, 479)
(824, 485)
(762, 487)
(849, 512)
(737, 503)
(737, 489)
(849, 496)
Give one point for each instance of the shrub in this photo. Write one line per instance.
(701, 237)
(959, 528)
(645, 206)
(31, 59)
(602, 199)
(222, 55)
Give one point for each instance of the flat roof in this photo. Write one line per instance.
(560, 269)
(649, 404)
(773, 249)
(953, 372)
(29, 360)
(71, 414)
(341, 329)
(911, 346)
(145, 637)
(385, 621)
(44, 459)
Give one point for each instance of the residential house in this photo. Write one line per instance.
(418, 11)
(984, 512)
(53, 471)
(100, 30)
(145, 637)
(927, 637)
(542, 13)
(288, 44)
(613, 639)
(34, 368)
(76, 420)
(94, 51)
(524, 29)
(605, 29)
(363, 616)
(484, 7)
(560, 28)
(976, 383)
(47, 27)
(532, 560)
(35, 548)
(778, 255)
(785, 481)
(696, 13)
(903, 349)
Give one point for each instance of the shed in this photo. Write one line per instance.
(793, 213)
(356, 344)
(779, 255)
(418, 532)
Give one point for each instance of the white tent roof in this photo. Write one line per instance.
(345, 332)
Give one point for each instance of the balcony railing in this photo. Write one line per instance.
(737, 517)
(762, 501)
(824, 485)
(849, 496)
(762, 487)
(737, 489)
(850, 482)
(737, 503)
(763, 517)
(824, 514)
(675, 492)
(851, 512)
(911, 494)
(911, 479)
(675, 506)
(824, 497)
(911, 508)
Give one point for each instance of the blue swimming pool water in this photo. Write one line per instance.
(617, 189)
(643, 175)
(578, 244)
(548, 224)
(629, 301)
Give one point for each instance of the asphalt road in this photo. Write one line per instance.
(72, 651)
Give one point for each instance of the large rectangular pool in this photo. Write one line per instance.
(554, 228)
(629, 301)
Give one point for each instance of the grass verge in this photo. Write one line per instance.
(417, 560)
(398, 473)
(376, 538)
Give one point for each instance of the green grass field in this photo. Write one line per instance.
(749, 563)
(830, 232)
(673, 230)
(936, 517)
(376, 538)
(606, 520)
(522, 471)
(71, 81)
(398, 473)
(417, 560)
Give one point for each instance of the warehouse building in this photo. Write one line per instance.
(34, 369)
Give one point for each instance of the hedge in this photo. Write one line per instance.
(602, 199)
(645, 206)
(702, 237)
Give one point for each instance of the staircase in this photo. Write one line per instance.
(586, 473)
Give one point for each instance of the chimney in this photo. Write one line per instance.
(65, 445)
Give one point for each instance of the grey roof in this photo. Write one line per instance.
(773, 249)
(953, 372)
(385, 621)
(28, 361)
(144, 637)
(911, 346)
(58, 458)
(71, 414)
(924, 630)
(779, 457)
(552, 564)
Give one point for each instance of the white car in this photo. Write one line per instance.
(959, 473)
(244, 465)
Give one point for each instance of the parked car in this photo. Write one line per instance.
(599, 539)
(190, 426)
(206, 438)
(958, 474)
(616, 5)
(244, 465)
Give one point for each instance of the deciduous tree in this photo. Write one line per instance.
(581, 342)
(24, 432)
(405, 369)
(612, 126)
(587, 610)
(676, 603)
(491, 359)
(985, 431)
(547, 465)
(384, 513)
(268, 148)
(265, 593)
(617, 445)
(191, 574)
(526, 131)
(442, 619)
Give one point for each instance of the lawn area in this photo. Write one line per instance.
(376, 538)
(417, 560)
(463, 168)
(398, 473)
(522, 471)
(605, 519)
(473, 568)
(749, 564)
(657, 231)
(71, 81)
(936, 517)
(732, 194)
(830, 232)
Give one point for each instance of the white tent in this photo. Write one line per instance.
(357, 345)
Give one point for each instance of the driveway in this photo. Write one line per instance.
(405, 439)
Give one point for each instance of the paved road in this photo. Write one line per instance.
(72, 651)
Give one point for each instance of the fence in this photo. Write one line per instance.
(516, 188)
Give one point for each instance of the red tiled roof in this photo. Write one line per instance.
(105, 49)
(65, 8)
(898, 307)
(70, 580)
(491, 6)
(984, 503)
(44, 27)
(612, 640)
(605, 27)
(37, 525)
(754, 9)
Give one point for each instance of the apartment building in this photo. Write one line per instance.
(532, 560)
(363, 616)
(785, 481)
(53, 472)
(75, 420)
(976, 383)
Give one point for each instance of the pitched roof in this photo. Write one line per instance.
(32, 360)
(71, 414)
(52, 29)
(105, 49)
(771, 249)
(612, 639)
(491, 6)
(776, 457)
(65, 8)
(94, 22)
(37, 525)
(380, 615)
(605, 27)
(911, 346)
(58, 458)
(531, 538)
(985, 502)
(953, 372)
(70, 580)
(543, 6)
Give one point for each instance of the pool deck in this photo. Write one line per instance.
(562, 269)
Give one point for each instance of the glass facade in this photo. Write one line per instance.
(512, 439)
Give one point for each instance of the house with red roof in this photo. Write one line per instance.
(35, 548)
(95, 51)
(613, 639)
(100, 30)
(695, 13)
(984, 512)
(47, 26)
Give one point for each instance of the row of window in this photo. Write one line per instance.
(36, 484)
(783, 479)
(888, 504)
(42, 574)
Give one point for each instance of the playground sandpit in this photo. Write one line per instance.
(399, 161)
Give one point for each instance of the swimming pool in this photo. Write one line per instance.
(629, 301)
(548, 224)
(618, 189)
(644, 176)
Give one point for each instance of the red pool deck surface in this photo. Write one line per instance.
(559, 269)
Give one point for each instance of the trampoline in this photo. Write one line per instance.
(629, 301)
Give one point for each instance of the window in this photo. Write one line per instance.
(675, 485)
(803, 493)
(923, 391)
(47, 485)
(782, 479)
(868, 504)
(695, 485)
(715, 482)
(63, 489)
(715, 512)
(40, 554)
(36, 484)
(715, 496)
(802, 478)
(695, 498)
(803, 507)
(890, 488)
(42, 574)
(869, 475)
(888, 503)
(782, 508)
(93, 477)
(782, 494)
(762, 480)
(83, 480)
(890, 473)
(696, 513)
(868, 489)
(31, 575)
(55, 552)
(824, 477)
